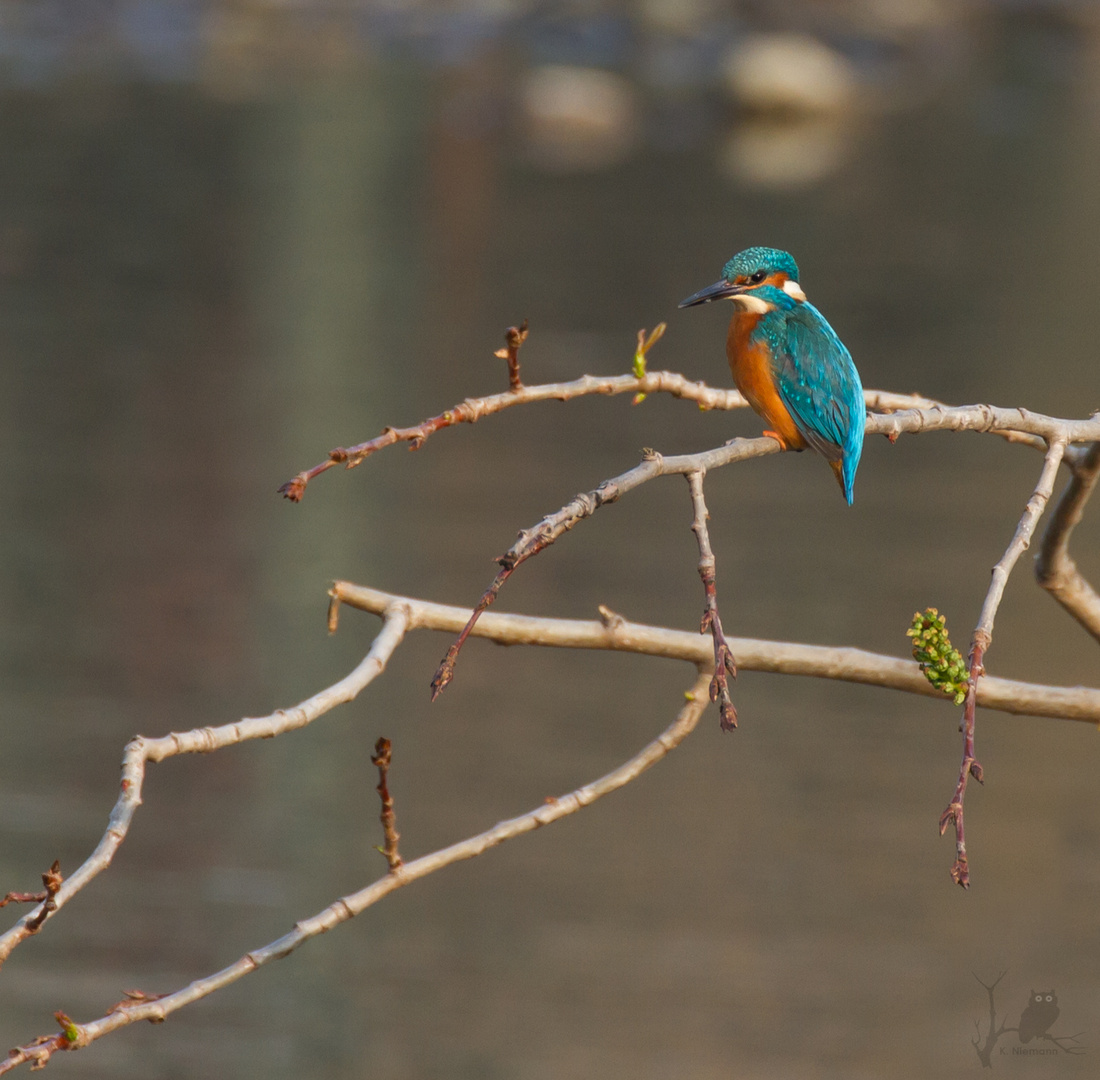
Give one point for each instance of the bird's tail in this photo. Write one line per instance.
(845, 479)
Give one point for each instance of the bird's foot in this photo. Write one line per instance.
(778, 438)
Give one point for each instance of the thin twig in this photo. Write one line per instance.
(514, 336)
(77, 1036)
(1055, 568)
(724, 666)
(613, 632)
(982, 639)
(141, 750)
(52, 880)
(383, 751)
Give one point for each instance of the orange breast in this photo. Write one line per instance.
(751, 370)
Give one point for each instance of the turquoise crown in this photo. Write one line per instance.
(748, 262)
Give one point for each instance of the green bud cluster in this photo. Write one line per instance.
(940, 661)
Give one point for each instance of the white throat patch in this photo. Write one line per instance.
(756, 304)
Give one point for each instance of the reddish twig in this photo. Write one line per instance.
(724, 666)
(515, 336)
(381, 760)
(508, 562)
(52, 880)
(960, 871)
(982, 639)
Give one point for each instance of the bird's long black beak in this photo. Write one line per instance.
(720, 290)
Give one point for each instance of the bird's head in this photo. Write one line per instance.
(753, 278)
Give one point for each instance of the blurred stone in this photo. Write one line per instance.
(577, 119)
(677, 16)
(784, 152)
(789, 73)
(906, 16)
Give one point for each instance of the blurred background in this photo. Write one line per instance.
(234, 235)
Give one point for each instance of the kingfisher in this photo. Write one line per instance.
(788, 362)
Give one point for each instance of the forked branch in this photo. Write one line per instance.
(140, 751)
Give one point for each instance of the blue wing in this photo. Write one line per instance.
(820, 386)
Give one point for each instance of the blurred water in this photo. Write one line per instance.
(206, 282)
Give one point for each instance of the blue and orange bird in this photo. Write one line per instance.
(788, 362)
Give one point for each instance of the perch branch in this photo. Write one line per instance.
(141, 750)
(724, 666)
(76, 1036)
(615, 633)
(1014, 425)
(982, 639)
(1055, 568)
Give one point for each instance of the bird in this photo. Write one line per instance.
(788, 361)
(1042, 1010)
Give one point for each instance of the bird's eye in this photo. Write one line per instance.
(758, 277)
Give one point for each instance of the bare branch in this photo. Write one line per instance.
(724, 666)
(617, 634)
(1054, 566)
(201, 741)
(541, 536)
(983, 638)
(76, 1036)
(982, 418)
